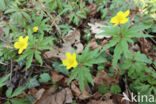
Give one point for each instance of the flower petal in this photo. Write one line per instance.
(65, 62)
(68, 55)
(120, 13)
(68, 67)
(20, 38)
(20, 50)
(113, 20)
(75, 64)
(26, 39)
(123, 21)
(74, 56)
(126, 13)
(17, 45)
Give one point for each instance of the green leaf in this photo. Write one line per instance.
(3, 80)
(138, 35)
(2, 4)
(82, 74)
(111, 43)
(45, 77)
(32, 82)
(9, 92)
(117, 54)
(18, 91)
(89, 61)
(9, 11)
(19, 101)
(103, 89)
(142, 58)
(29, 61)
(137, 28)
(81, 79)
(88, 75)
(115, 89)
(60, 68)
(38, 57)
(7, 102)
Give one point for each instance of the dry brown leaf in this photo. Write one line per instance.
(105, 99)
(93, 44)
(56, 77)
(77, 92)
(146, 47)
(93, 9)
(39, 94)
(95, 28)
(51, 97)
(71, 40)
(1, 32)
(102, 75)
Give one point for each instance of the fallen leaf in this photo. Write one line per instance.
(39, 94)
(56, 76)
(102, 76)
(71, 40)
(93, 9)
(93, 44)
(77, 92)
(95, 28)
(52, 97)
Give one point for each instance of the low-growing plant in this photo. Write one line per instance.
(81, 72)
(34, 48)
(76, 10)
(122, 35)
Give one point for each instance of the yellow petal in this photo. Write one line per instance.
(75, 64)
(74, 56)
(68, 55)
(126, 13)
(68, 67)
(26, 38)
(113, 20)
(120, 13)
(35, 29)
(21, 38)
(20, 50)
(123, 21)
(17, 45)
(65, 62)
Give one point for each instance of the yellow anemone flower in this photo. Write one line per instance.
(70, 61)
(35, 29)
(21, 44)
(120, 18)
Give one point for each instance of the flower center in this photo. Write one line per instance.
(22, 44)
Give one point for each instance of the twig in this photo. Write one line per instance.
(2, 63)
(11, 67)
(126, 87)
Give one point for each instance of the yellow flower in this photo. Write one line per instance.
(120, 18)
(21, 44)
(35, 29)
(70, 61)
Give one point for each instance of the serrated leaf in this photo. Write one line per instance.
(82, 75)
(2, 80)
(33, 82)
(9, 92)
(38, 57)
(117, 54)
(60, 68)
(18, 91)
(2, 5)
(110, 44)
(45, 77)
(29, 61)
(138, 28)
